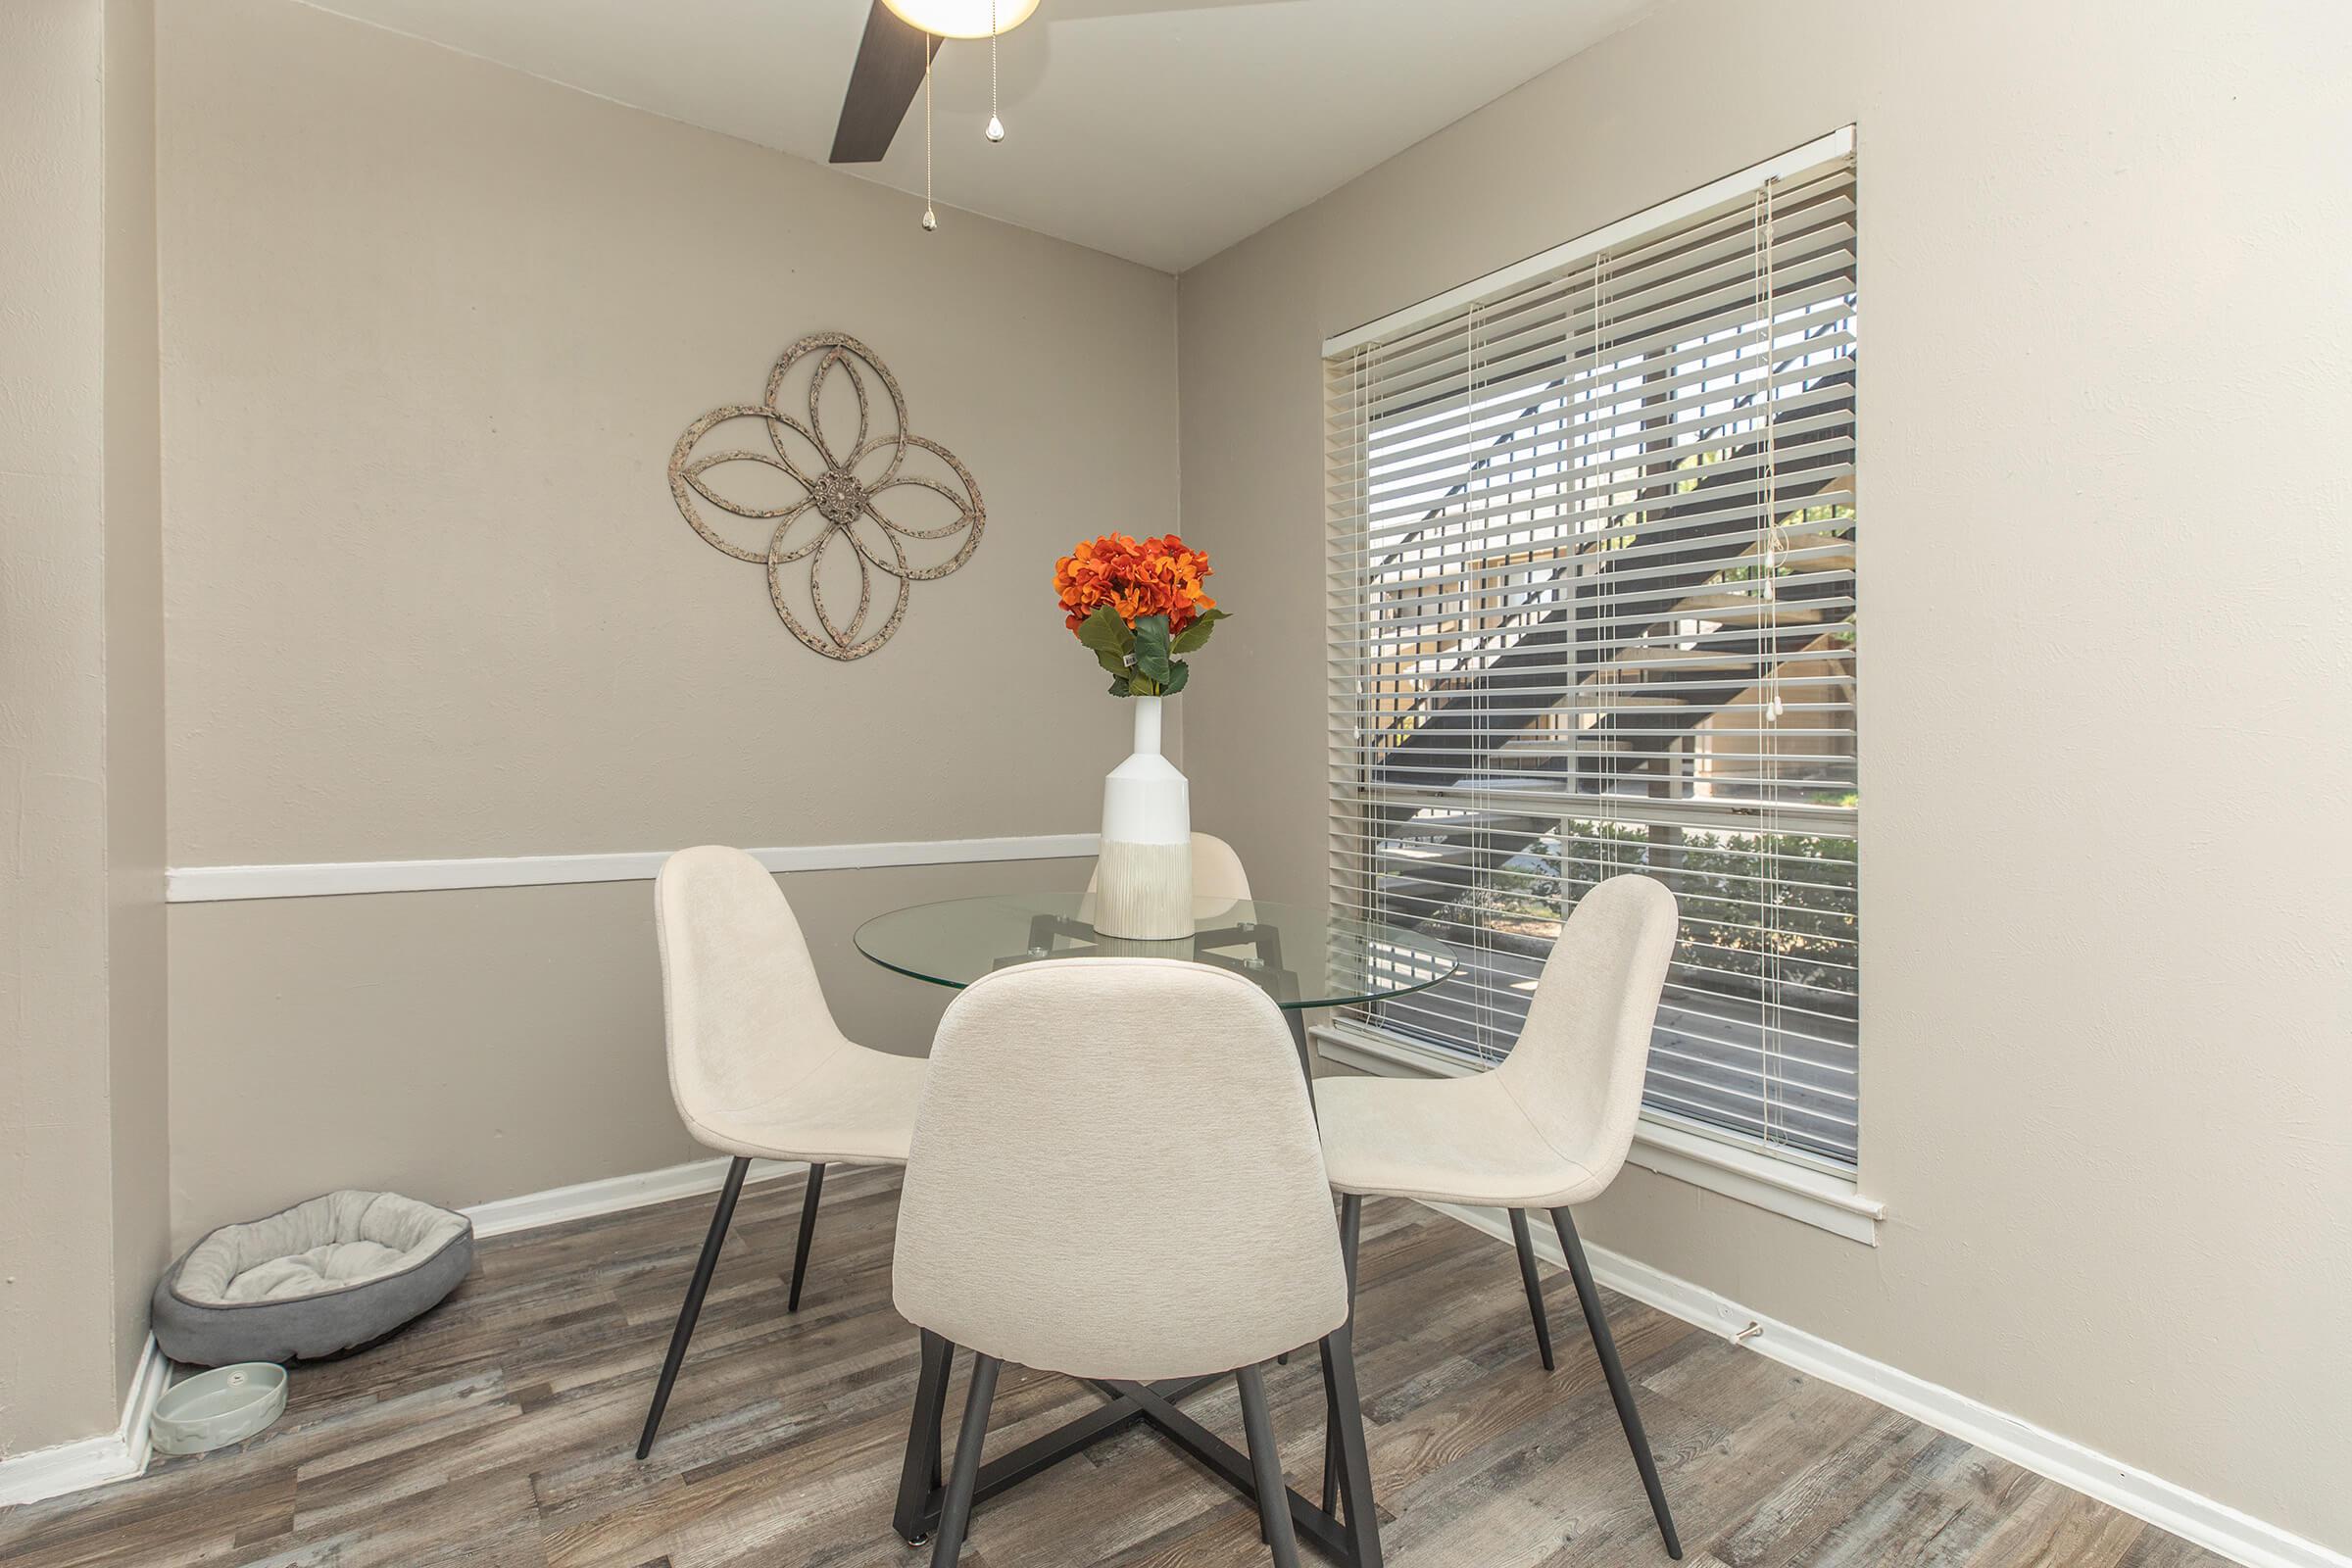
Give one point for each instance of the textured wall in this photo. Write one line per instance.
(430, 330)
(466, 1046)
(137, 973)
(82, 963)
(2104, 718)
(56, 1352)
(431, 327)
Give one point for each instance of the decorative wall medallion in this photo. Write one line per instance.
(825, 497)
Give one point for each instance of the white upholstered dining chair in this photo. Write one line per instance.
(1546, 1130)
(1217, 871)
(757, 1065)
(1116, 1176)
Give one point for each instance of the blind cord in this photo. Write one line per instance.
(1769, 1015)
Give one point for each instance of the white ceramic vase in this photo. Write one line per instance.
(1145, 887)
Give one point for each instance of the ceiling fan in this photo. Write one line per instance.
(903, 36)
(901, 39)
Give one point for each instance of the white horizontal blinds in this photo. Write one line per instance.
(1591, 603)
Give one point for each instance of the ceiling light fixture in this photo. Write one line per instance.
(963, 18)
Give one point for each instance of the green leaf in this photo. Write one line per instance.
(1197, 634)
(1105, 632)
(1115, 663)
(1178, 673)
(1151, 647)
(1120, 687)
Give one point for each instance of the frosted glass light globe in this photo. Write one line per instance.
(962, 18)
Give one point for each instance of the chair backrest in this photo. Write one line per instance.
(745, 1017)
(1577, 1069)
(1217, 873)
(1116, 1174)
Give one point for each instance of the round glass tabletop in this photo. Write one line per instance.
(1302, 956)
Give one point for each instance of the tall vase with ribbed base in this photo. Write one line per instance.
(1144, 890)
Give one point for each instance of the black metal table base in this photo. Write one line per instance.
(1156, 1404)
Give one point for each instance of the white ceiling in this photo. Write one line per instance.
(1160, 130)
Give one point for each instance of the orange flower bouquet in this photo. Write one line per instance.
(1139, 606)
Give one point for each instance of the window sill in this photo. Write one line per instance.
(1818, 1198)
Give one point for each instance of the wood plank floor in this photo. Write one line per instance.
(499, 1431)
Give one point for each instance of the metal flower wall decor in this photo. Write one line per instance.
(824, 498)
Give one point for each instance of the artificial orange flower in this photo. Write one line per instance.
(1157, 577)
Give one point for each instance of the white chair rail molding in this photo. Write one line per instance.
(1537, 784)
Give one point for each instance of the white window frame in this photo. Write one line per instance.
(1782, 1181)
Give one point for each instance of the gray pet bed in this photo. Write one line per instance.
(326, 1276)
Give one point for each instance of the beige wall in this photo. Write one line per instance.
(81, 1070)
(56, 1352)
(460, 1047)
(2106, 580)
(430, 330)
(138, 1063)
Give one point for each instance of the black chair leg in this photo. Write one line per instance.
(955, 1513)
(1273, 1492)
(1588, 1295)
(920, 1475)
(1355, 1463)
(1534, 1283)
(1351, 1224)
(693, 1307)
(800, 1254)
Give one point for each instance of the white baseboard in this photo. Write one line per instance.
(2213, 1525)
(208, 884)
(611, 1195)
(117, 1456)
(146, 1387)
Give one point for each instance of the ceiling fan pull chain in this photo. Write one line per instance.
(996, 126)
(930, 218)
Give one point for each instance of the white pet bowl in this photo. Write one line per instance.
(216, 1408)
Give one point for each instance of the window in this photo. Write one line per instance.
(1592, 611)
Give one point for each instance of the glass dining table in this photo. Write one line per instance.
(1304, 957)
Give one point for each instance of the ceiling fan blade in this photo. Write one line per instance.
(889, 73)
